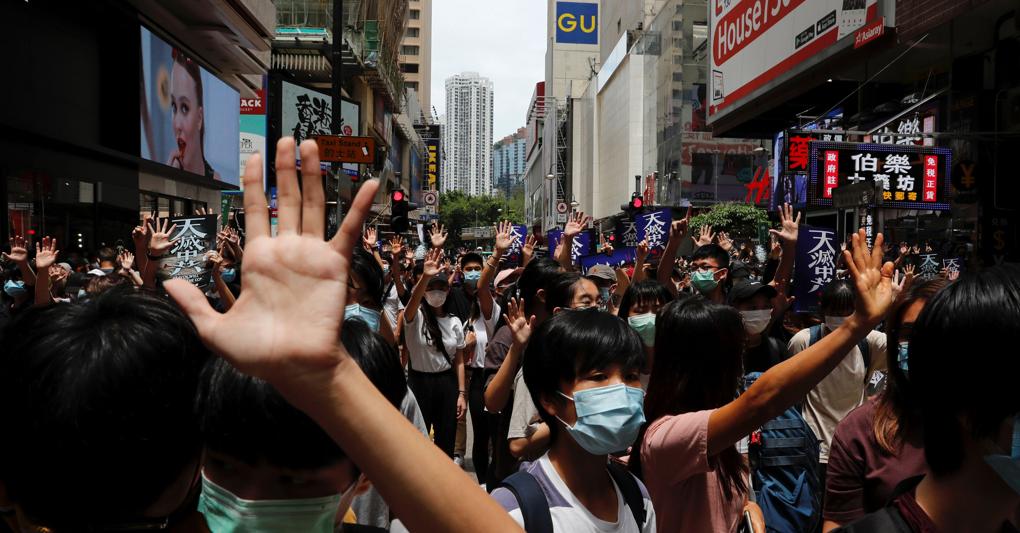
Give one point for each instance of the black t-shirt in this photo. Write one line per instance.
(459, 302)
(767, 354)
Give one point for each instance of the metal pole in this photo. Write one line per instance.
(337, 60)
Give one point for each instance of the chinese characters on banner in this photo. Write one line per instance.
(654, 227)
(626, 233)
(815, 266)
(952, 265)
(580, 247)
(929, 268)
(910, 177)
(867, 222)
(798, 150)
(518, 233)
(195, 236)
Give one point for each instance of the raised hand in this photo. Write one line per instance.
(678, 229)
(916, 249)
(901, 283)
(872, 279)
(953, 275)
(520, 325)
(504, 230)
(140, 235)
(19, 250)
(642, 251)
(578, 221)
(431, 266)
(909, 270)
(528, 250)
(605, 246)
(437, 235)
(286, 323)
(370, 239)
(725, 242)
(788, 226)
(126, 260)
(396, 246)
(216, 261)
(159, 239)
(45, 254)
(705, 236)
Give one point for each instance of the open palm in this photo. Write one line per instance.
(872, 278)
(287, 319)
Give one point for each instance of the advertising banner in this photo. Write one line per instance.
(189, 117)
(577, 23)
(194, 237)
(253, 128)
(757, 42)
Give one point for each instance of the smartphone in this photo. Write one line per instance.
(745, 524)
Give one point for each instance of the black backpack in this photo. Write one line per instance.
(535, 508)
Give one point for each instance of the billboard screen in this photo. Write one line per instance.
(189, 118)
(756, 42)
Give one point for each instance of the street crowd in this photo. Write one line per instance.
(330, 385)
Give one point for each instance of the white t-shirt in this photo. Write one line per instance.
(524, 418)
(484, 329)
(842, 390)
(424, 356)
(392, 306)
(568, 513)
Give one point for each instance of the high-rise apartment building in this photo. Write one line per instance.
(509, 158)
(416, 53)
(467, 134)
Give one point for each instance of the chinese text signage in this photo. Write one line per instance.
(193, 238)
(815, 266)
(910, 177)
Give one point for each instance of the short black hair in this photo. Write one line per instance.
(972, 316)
(246, 418)
(560, 292)
(539, 274)
(646, 290)
(101, 397)
(838, 295)
(107, 255)
(368, 269)
(572, 343)
(471, 257)
(712, 251)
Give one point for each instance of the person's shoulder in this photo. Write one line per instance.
(856, 428)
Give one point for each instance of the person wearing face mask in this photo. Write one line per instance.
(582, 369)
(754, 302)
(709, 270)
(843, 389)
(639, 306)
(969, 412)
(604, 278)
(268, 467)
(366, 295)
(435, 342)
(879, 444)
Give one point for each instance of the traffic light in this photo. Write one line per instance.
(635, 207)
(398, 211)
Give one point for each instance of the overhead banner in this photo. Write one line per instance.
(618, 258)
(815, 266)
(757, 43)
(654, 228)
(911, 177)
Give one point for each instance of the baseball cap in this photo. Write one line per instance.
(745, 289)
(602, 272)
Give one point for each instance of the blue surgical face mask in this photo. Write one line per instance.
(471, 278)
(608, 418)
(704, 281)
(901, 358)
(369, 316)
(229, 275)
(644, 325)
(224, 512)
(1008, 466)
(604, 296)
(14, 289)
(386, 270)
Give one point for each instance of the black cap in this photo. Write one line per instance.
(745, 289)
(738, 270)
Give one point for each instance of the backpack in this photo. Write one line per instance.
(862, 345)
(784, 471)
(535, 508)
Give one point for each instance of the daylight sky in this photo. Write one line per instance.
(501, 40)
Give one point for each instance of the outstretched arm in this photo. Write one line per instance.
(268, 334)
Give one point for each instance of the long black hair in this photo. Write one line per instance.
(705, 374)
(644, 291)
(430, 326)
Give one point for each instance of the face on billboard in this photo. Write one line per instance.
(189, 118)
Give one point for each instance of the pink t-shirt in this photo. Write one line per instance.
(685, 491)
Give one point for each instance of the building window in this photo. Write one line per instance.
(411, 85)
(415, 14)
(413, 32)
(411, 68)
(678, 76)
(409, 50)
(678, 25)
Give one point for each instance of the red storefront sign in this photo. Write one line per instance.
(931, 169)
(831, 172)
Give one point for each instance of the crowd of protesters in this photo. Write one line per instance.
(331, 385)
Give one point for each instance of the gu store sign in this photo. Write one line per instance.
(911, 177)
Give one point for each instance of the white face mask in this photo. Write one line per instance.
(755, 322)
(435, 298)
(834, 322)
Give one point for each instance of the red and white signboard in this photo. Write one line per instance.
(931, 169)
(757, 42)
(869, 33)
(831, 172)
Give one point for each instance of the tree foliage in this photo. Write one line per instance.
(738, 219)
(458, 211)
